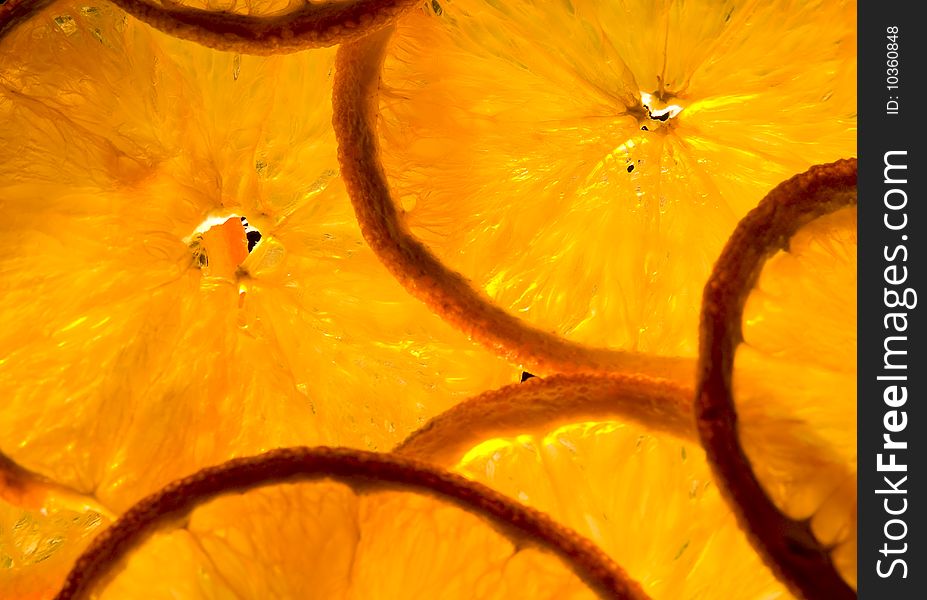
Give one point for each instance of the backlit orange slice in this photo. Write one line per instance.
(139, 339)
(557, 178)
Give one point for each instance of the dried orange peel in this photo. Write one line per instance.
(310, 26)
(548, 403)
(364, 472)
(445, 291)
(789, 546)
(14, 12)
(591, 451)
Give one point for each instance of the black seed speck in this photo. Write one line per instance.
(254, 237)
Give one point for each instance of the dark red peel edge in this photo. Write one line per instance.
(363, 471)
(310, 26)
(788, 546)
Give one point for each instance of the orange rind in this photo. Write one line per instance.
(546, 404)
(14, 12)
(312, 25)
(788, 545)
(365, 473)
(617, 459)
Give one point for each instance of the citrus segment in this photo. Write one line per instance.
(140, 340)
(370, 526)
(580, 164)
(44, 526)
(38, 547)
(266, 27)
(778, 363)
(616, 459)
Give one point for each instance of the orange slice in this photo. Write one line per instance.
(140, 340)
(444, 291)
(778, 362)
(266, 26)
(615, 458)
(338, 523)
(556, 178)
